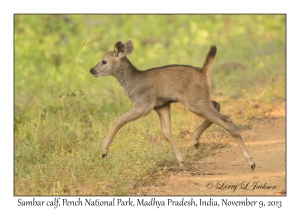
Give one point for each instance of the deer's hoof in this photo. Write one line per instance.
(104, 155)
(253, 166)
(196, 145)
(182, 166)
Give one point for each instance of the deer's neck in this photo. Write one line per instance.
(126, 73)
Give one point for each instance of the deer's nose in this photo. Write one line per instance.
(92, 71)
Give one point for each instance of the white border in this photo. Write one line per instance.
(217, 6)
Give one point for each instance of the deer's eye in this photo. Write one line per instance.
(104, 62)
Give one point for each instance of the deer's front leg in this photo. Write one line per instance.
(131, 115)
(165, 120)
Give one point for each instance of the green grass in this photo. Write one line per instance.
(62, 114)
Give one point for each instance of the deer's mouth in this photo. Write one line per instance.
(95, 75)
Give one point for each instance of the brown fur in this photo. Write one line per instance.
(157, 88)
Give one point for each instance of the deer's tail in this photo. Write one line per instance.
(209, 58)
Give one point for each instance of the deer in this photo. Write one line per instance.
(156, 88)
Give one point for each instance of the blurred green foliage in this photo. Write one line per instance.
(62, 113)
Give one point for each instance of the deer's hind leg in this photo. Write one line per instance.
(206, 124)
(207, 111)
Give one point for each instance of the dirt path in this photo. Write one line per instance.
(227, 173)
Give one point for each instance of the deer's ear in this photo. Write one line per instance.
(129, 47)
(120, 49)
